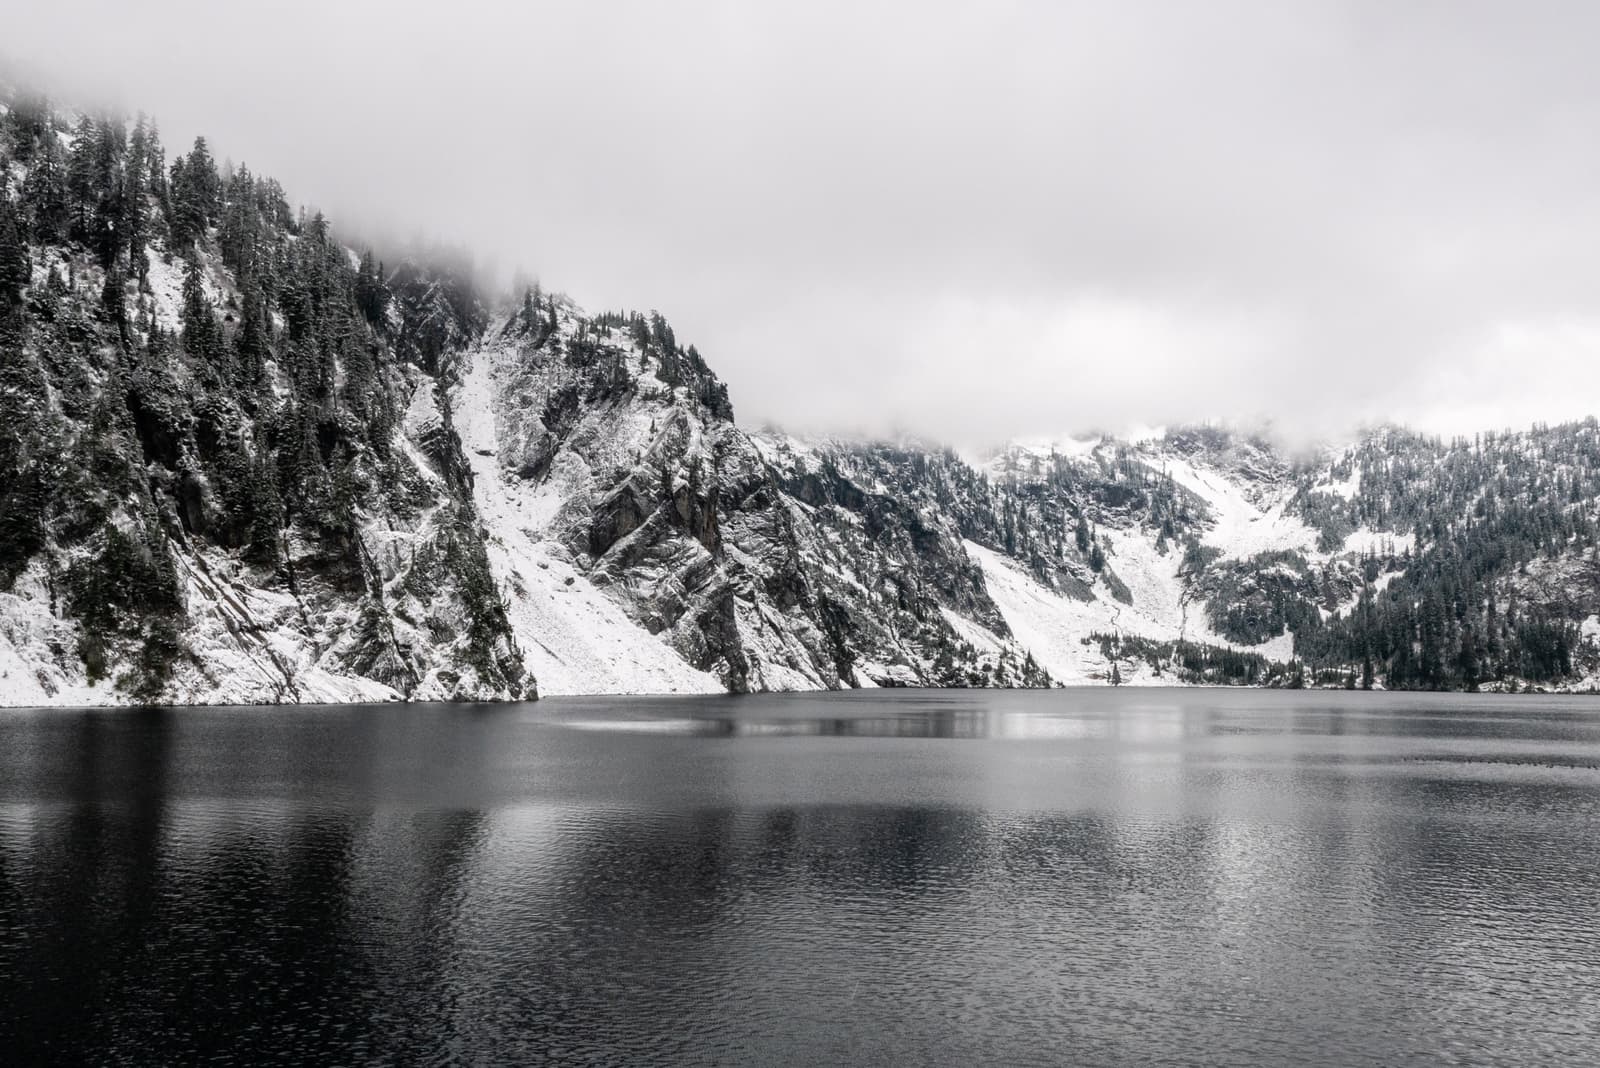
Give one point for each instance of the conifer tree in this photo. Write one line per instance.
(45, 191)
(16, 268)
(81, 178)
(135, 190)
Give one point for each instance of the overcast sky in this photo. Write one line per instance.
(972, 220)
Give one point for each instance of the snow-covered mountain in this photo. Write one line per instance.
(646, 542)
(240, 462)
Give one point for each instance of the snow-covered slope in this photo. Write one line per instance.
(206, 494)
(575, 639)
(1241, 527)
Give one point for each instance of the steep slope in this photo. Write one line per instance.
(627, 511)
(1207, 555)
(1082, 539)
(575, 639)
(206, 492)
(1497, 581)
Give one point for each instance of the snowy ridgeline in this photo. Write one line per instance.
(668, 600)
(719, 548)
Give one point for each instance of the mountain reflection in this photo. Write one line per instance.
(1136, 722)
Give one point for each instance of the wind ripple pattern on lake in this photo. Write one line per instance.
(1070, 877)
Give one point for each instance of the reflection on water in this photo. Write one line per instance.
(1076, 877)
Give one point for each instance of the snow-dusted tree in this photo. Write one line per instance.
(45, 191)
(15, 266)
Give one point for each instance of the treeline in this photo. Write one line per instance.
(1545, 481)
(1490, 566)
(1194, 662)
(1489, 516)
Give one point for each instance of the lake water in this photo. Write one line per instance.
(1140, 877)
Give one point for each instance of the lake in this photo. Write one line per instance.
(1139, 877)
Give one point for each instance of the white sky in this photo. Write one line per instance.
(972, 221)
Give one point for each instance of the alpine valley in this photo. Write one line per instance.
(243, 462)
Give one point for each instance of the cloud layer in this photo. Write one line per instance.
(972, 221)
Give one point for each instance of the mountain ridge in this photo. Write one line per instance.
(245, 463)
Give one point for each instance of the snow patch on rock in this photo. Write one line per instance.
(1240, 527)
(1052, 627)
(1347, 488)
(1381, 542)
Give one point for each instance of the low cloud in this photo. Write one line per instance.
(967, 222)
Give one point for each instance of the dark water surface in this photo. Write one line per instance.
(1077, 877)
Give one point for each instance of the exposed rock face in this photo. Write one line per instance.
(703, 535)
